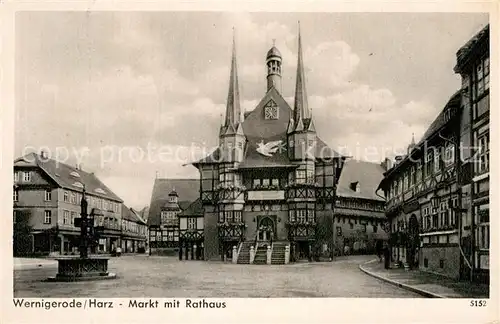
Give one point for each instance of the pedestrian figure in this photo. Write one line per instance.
(387, 256)
(346, 249)
(379, 248)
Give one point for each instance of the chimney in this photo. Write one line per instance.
(386, 164)
(398, 159)
(43, 154)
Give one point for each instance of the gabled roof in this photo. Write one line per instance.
(68, 177)
(440, 120)
(464, 53)
(253, 159)
(323, 151)
(437, 125)
(255, 125)
(194, 209)
(130, 215)
(367, 174)
(187, 189)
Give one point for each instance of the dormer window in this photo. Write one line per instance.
(99, 190)
(78, 184)
(271, 110)
(75, 174)
(355, 186)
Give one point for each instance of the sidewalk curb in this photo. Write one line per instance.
(419, 291)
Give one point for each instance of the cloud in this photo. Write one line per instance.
(162, 78)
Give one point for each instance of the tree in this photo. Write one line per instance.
(22, 240)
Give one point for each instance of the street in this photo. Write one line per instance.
(144, 276)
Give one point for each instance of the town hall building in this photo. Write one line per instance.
(267, 193)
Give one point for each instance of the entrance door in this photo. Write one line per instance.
(266, 229)
(414, 242)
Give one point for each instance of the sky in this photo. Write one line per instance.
(132, 96)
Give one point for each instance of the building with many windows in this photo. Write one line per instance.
(47, 196)
(359, 218)
(169, 198)
(134, 231)
(267, 193)
(423, 197)
(473, 64)
(271, 181)
(438, 195)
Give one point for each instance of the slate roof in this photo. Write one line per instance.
(367, 174)
(187, 189)
(194, 209)
(273, 52)
(130, 215)
(256, 128)
(438, 123)
(464, 53)
(64, 176)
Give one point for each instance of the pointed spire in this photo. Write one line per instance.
(300, 125)
(239, 129)
(233, 110)
(310, 125)
(301, 109)
(412, 138)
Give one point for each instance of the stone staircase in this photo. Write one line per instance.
(278, 253)
(261, 255)
(244, 256)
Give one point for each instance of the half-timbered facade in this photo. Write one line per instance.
(191, 232)
(169, 198)
(473, 64)
(423, 197)
(272, 179)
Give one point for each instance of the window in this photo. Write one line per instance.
(428, 164)
(16, 176)
(481, 77)
(237, 216)
(48, 217)
(275, 182)
(412, 179)
(271, 110)
(483, 143)
(449, 155)
(339, 231)
(16, 195)
(437, 161)
(27, 176)
(73, 216)
(66, 196)
(73, 198)
(66, 219)
(418, 173)
(300, 176)
(301, 215)
(191, 223)
(48, 195)
(265, 182)
(363, 228)
(375, 228)
(351, 225)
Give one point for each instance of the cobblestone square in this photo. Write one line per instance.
(144, 276)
